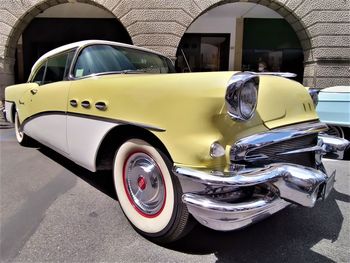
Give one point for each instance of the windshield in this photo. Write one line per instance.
(104, 59)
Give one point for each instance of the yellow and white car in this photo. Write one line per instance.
(225, 148)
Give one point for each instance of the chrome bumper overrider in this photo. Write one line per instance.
(333, 147)
(283, 184)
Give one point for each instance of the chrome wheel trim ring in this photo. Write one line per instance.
(144, 184)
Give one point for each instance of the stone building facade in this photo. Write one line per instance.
(322, 26)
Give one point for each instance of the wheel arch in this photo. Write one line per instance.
(119, 134)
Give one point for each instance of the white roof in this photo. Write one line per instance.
(86, 43)
(337, 89)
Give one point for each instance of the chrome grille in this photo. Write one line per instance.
(274, 152)
(295, 144)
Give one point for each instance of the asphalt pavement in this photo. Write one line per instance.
(53, 210)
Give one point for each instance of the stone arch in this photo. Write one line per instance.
(282, 7)
(17, 16)
(33, 11)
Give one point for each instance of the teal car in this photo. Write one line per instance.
(333, 108)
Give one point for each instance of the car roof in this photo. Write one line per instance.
(340, 89)
(86, 43)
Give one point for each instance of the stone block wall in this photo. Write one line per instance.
(323, 28)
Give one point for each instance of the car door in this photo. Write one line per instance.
(46, 104)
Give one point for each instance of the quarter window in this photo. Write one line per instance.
(40, 74)
(55, 68)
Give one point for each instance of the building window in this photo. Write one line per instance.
(203, 52)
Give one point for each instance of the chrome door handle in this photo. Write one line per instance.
(100, 105)
(73, 103)
(33, 91)
(85, 104)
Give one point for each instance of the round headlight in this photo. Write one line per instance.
(247, 100)
(242, 95)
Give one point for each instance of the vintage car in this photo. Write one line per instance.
(225, 148)
(333, 108)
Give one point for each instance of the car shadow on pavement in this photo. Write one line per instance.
(101, 180)
(291, 235)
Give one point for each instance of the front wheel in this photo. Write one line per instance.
(148, 192)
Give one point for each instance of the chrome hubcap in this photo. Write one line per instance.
(144, 184)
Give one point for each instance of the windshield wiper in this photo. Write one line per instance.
(125, 71)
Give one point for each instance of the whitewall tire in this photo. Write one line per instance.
(21, 137)
(148, 193)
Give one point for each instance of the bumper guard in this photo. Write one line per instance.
(291, 184)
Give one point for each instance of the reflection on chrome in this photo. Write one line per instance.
(246, 193)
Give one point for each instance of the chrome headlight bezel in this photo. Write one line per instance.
(240, 83)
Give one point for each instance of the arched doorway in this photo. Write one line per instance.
(63, 24)
(240, 36)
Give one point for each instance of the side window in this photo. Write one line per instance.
(38, 78)
(55, 69)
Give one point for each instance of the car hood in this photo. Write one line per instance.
(280, 101)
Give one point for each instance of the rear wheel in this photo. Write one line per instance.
(21, 137)
(148, 193)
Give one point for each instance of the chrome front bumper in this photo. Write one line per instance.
(293, 183)
(286, 183)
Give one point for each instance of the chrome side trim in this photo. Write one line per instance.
(92, 117)
(242, 147)
(224, 216)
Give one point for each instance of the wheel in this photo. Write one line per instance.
(21, 137)
(148, 192)
(336, 131)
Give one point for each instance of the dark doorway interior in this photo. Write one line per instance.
(274, 42)
(44, 34)
(203, 52)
